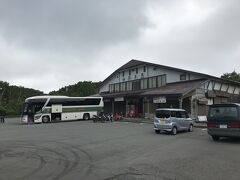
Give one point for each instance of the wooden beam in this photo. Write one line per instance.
(227, 88)
(221, 87)
(208, 84)
(234, 89)
(214, 83)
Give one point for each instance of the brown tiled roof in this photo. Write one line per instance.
(179, 88)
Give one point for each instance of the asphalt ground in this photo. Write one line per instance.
(112, 151)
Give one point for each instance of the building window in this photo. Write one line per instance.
(162, 80)
(144, 83)
(130, 72)
(129, 86)
(117, 87)
(123, 87)
(123, 73)
(136, 85)
(111, 88)
(144, 68)
(136, 70)
(183, 77)
(152, 82)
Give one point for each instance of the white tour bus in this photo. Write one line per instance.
(45, 109)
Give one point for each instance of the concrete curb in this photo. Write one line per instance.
(196, 125)
(136, 120)
(202, 125)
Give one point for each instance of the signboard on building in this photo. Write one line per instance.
(118, 99)
(161, 99)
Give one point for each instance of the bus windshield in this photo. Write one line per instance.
(32, 108)
(25, 108)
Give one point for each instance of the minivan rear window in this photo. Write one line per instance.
(223, 112)
(163, 114)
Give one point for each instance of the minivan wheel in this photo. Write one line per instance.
(157, 131)
(215, 138)
(190, 128)
(174, 131)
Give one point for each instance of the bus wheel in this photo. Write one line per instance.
(45, 119)
(86, 117)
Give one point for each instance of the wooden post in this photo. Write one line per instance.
(113, 106)
(180, 102)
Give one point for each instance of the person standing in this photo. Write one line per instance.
(2, 119)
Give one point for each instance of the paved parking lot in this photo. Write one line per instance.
(109, 151)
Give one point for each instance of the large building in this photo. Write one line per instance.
(137, 88)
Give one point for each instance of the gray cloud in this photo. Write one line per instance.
(71, 24)
(187, 40)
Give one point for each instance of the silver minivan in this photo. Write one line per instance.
(172, 120)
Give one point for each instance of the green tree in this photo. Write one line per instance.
(234, 76)
(82, 88)
(13, 97)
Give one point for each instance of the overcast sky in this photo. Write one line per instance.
(48, 44)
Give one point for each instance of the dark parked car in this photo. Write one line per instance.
(224, 121)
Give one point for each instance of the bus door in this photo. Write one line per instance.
(56, 112)
(30, 113)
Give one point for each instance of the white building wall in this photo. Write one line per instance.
(171, 75)
(113, 80)
(231, 89)
(210, 85)
(224, 87)
(194, 76)
(237, 91)
(217, 86)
